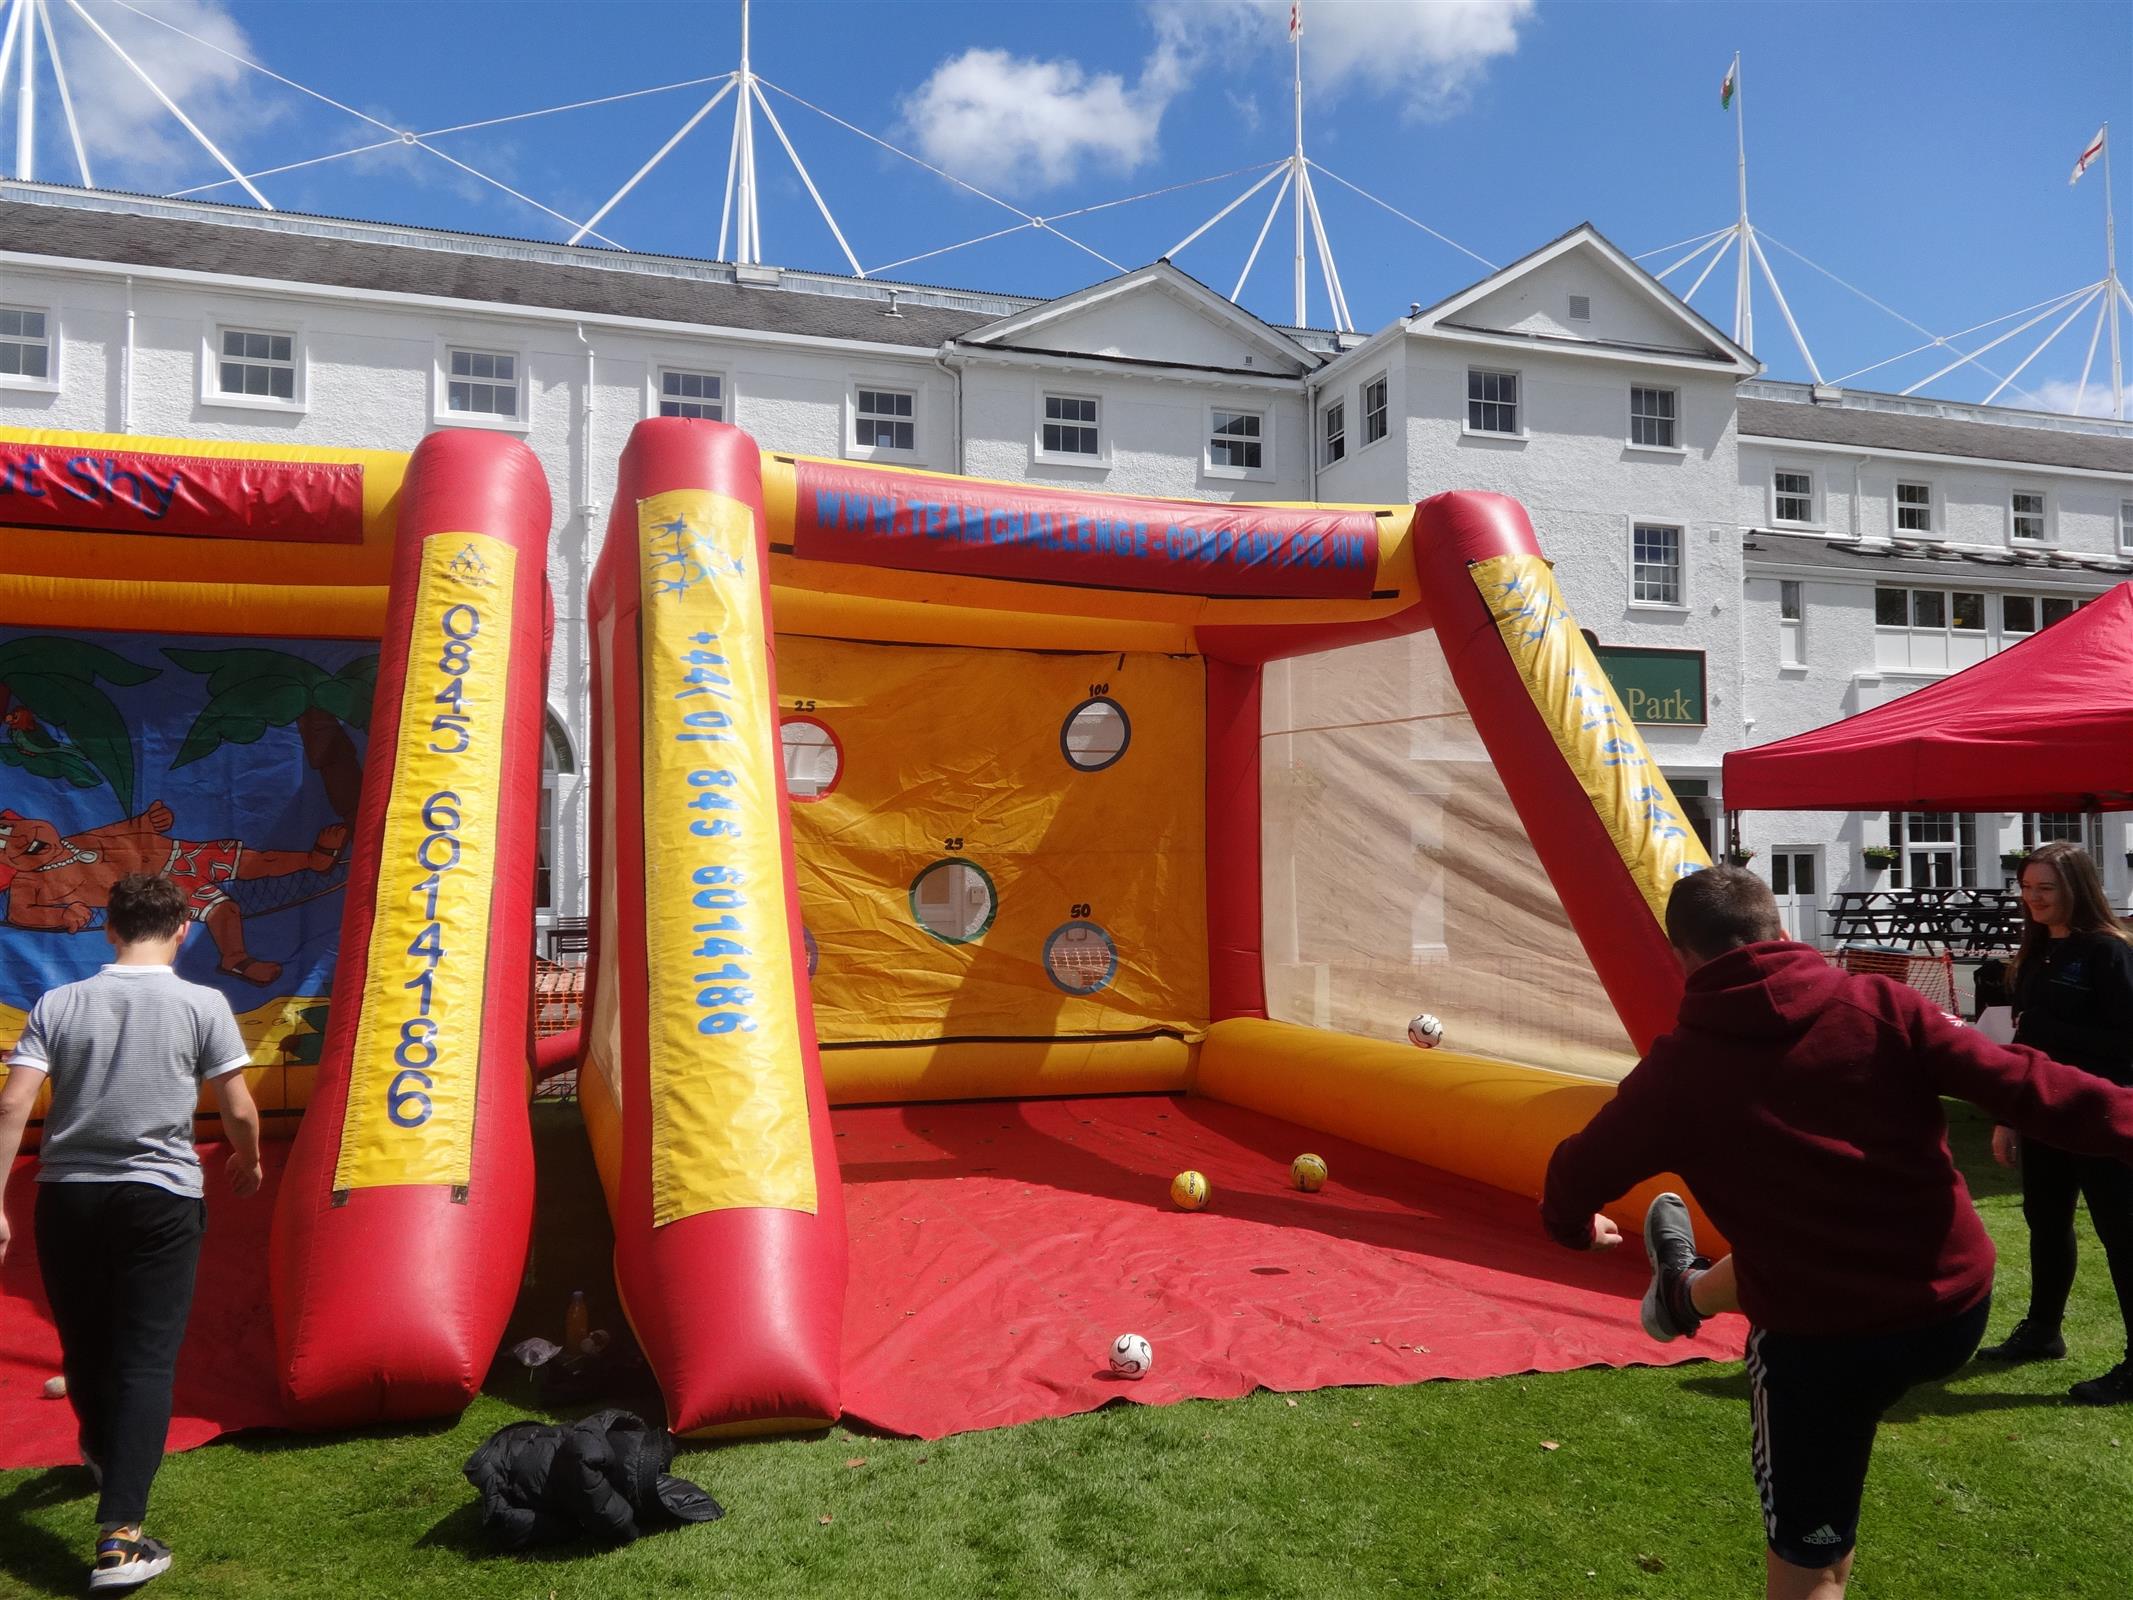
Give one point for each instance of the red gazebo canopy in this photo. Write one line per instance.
(2044, 726)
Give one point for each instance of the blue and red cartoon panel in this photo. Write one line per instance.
(308, 685)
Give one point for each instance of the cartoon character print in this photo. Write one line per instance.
(57, 884)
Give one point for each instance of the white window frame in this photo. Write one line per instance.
(2036, 617)
(1327, 433)
(1896, 509)
(49, 383)
(559, 782)
(1946, 626)
(655, 387)
(2050, 523)
(1792, 631)
(882, 452)
(1677, 448)
(211, 391)
(441, 413)
(1383, 384)
(1680, 602)
(2125, 525)
(1072, 458)
(1264, 472)
(1467, 402)
(1814, 495)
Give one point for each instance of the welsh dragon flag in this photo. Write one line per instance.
(1725, 89)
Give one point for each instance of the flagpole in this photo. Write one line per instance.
(1743, 291)
(1297, 160)
(2110, 278)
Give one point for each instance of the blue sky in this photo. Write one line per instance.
(1917, 148)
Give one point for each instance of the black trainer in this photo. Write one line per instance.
(2027, 1340)
(2114, 1388)
(1670, 1246)
(128, 1558)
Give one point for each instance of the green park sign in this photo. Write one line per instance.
(1662, 688)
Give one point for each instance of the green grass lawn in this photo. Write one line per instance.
(1988, 1486)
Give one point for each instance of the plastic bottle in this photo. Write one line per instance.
(577, 1323)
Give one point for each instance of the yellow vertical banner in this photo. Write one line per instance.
(410, 1116)
(1599, 744)
(728, 1079)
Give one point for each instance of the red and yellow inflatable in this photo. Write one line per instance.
(206, 639)
(905, 787)
(1017, 846)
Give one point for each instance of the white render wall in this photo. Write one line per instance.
(1153, 432)
(368, 379)
(1585, 486)
(1856, 493)
(369, 382)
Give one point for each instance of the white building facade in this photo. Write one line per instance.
(1738, 545)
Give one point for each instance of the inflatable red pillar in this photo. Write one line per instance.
(1601, 817)
(700, 1084)
(400, 1231)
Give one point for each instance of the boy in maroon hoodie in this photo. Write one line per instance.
(1802, 1104)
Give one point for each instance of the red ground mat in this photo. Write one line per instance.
(997, 1249)
(226, 1370)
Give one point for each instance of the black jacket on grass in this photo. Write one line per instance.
(603, 1478)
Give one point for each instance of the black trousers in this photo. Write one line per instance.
(2051, 1181)
(118, 1261)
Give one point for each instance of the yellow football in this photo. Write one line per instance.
(1189, 1191)
(1308, 1172)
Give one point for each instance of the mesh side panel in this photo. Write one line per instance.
(1399, 879)
(1931, 973)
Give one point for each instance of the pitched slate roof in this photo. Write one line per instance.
(465, 267)
(1941, 563)
(1871, 429)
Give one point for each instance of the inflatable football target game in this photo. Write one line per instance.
(905, 789)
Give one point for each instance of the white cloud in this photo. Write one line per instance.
(995, 117)
(1427, 54)
(2061, 394)
(998, 118)
(132, 140)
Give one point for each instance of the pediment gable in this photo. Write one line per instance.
(1156, 314)
(1624, 309)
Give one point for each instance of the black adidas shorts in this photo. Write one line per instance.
(1816, 1404)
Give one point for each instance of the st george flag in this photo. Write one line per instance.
(1296, 19)
(1725, 89)
(2088, 157)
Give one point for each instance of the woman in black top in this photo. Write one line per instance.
(2073, 999)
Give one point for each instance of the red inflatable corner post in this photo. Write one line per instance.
(401, 1228)
(1606, 904)
(700, 1084)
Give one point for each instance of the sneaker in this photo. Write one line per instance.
(127, 1558)
(1670, 1246)
(2027, 1340)
(2114, 1388)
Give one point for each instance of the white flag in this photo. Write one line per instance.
(2088, 157)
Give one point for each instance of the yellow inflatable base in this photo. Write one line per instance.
(1005, 1069)
(1493, 1121)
